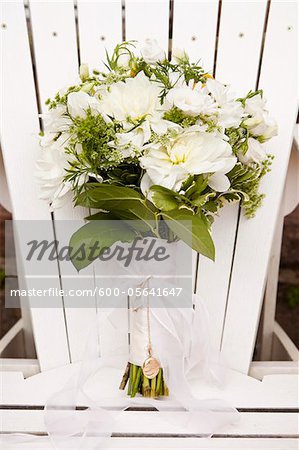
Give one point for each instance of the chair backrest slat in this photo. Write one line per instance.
(254, 238)
(233, 21)
(100, 29)
(144, 19)
(19, 142)
(194, 29)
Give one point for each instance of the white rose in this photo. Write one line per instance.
(255, 153)
(189, 154)
(79, 102)
(192, 99)
(152, 52)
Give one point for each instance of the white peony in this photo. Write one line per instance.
(230, 112)
(255, 153)
(189, 154)
(79, 102)
(135, 100)
(132, 100)
(152, 52)
(192, 99)
(260, 124)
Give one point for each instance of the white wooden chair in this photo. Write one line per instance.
(247, 44)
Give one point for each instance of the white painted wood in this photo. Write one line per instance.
(239, 43)
(100, 29)
(291, 190)
(10, 335)
(147, 19)
(214, 294)
(243, 77)
(250, 424)
(194, 29)
(269, 306)
(54, 39)
(286, 341)
(28, 367)
(4, 193)
(258, 369)
(20, 148)
(255, 236)
(274, 391)
(43, 443)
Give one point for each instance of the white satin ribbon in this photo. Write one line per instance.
(180, 341)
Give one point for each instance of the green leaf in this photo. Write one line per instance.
(89, 242)
(123, 202)
(203, 199)
(192, 229)
(110, 197)
(165, 199)
(197, 187)
(142, 225)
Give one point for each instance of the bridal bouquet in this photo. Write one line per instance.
(156, 144)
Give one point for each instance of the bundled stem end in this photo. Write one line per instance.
(139, 383)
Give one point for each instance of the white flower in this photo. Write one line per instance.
(136, 98)
(179, 55)
(130, 142)
(55, 121)
(260, 124)
(230, 112)
(152, 52)
(79, 102)
(192, 99)
(49, 175)
(255, 153)
(191, 153)
(84, 72)
(255, 106)
(123, 60)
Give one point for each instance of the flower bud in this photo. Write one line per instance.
(84, 72)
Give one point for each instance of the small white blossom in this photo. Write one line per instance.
(260, 124)
(230, 112)
(255, 153)
(152, 52)
(79, 102)
(84, 72)
(179, 55)
(193, 99)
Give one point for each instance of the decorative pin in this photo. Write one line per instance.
(151, 367)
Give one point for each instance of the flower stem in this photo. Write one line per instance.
(138, 382)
